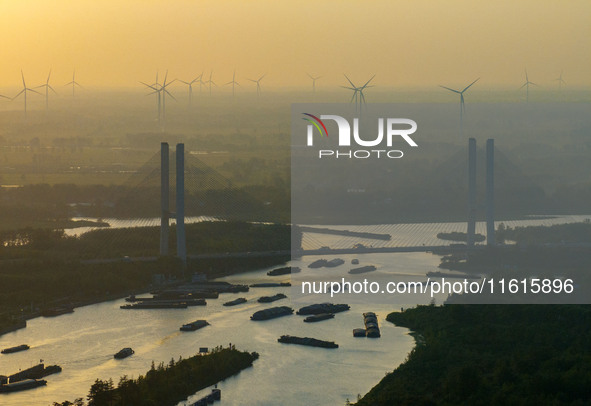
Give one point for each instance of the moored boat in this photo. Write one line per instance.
(269, 299)
(155, 305)
(318, 317)
(22, 385)
(311, 342)
(286, 270)
(57, 311)
(235, 302)
(18, 348)
(362, 269)
(272, 313)
(320, 308)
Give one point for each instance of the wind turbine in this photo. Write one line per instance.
(210, 82)
(233, 83)
(47, 87)
(258, 82)
(73, 83)
(526, 85)
(314, 79)
(462, 107)
(25, 89)
(358, 95)
(201, 82)
(560, 81)
(164, 93)
(362, 88)
(161, 91)
(190, 84)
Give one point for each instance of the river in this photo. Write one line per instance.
(84, 342)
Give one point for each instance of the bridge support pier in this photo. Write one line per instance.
(164, 198)
(490, 197)
(181, 244)
(471, 191)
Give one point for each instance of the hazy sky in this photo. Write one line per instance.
(406, 43)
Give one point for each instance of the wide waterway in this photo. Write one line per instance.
(84, 342)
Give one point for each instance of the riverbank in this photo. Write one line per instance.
(49, 271)
(491, 354)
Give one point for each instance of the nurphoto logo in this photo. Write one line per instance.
(388, 128)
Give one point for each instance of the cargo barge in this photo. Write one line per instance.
(18, 348)
(320, 308)
(272, 313)
(286, 270)
(269, 299)
(362, 269)
(235, 302)
(318, 317)
(311, 342)
(196, 325)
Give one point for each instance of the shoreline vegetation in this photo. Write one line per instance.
(499, 354)
(47, 271)
(491, 354)
(166, 385)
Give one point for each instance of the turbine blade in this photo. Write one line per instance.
(147, 85)
(522, 86)
(32, 90)
(467, 87)
(51, 88)
(48, 76)
(19, 93)
(453, 90)
(349, 80)
(23, 76)
(168, 93)
(366, 83)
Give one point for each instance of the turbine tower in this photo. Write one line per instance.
(314, 79)
(156, 90)
(462, 107)
(73, 83)
(190, 84)
(560, 81)
(526, 85)
(201, 82)
(233, 83)
(47, 87)
(258, 82)
(164, 92)
(210, 82)
(24, 91)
